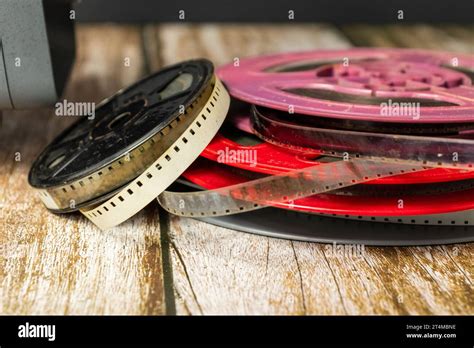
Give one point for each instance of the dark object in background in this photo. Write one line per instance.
(334, 11)
(37, 49)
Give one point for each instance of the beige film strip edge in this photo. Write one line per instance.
(126, 167)
(167, 168)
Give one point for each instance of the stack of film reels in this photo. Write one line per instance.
(372, 146)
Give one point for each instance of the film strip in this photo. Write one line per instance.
(276, 160)
(454, 208)
(279, 188)
(167, 168)
(454, 153)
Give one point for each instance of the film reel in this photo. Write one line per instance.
(167, 168)
(273, 222)
(92, 158)
(247, 148)
(350, 85)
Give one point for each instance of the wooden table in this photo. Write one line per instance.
(161, 264)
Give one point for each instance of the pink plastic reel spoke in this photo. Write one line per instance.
(351, 84)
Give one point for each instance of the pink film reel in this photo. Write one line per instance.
(354, 84)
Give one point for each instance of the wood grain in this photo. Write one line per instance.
(450, 38)
(219, 271)
(51, 264)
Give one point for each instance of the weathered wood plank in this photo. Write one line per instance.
(222, 43)
(220, 271)
(52, 264)
(452, 38)
(460, 32)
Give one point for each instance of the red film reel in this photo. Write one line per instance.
(311, 107)
(235, 138)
